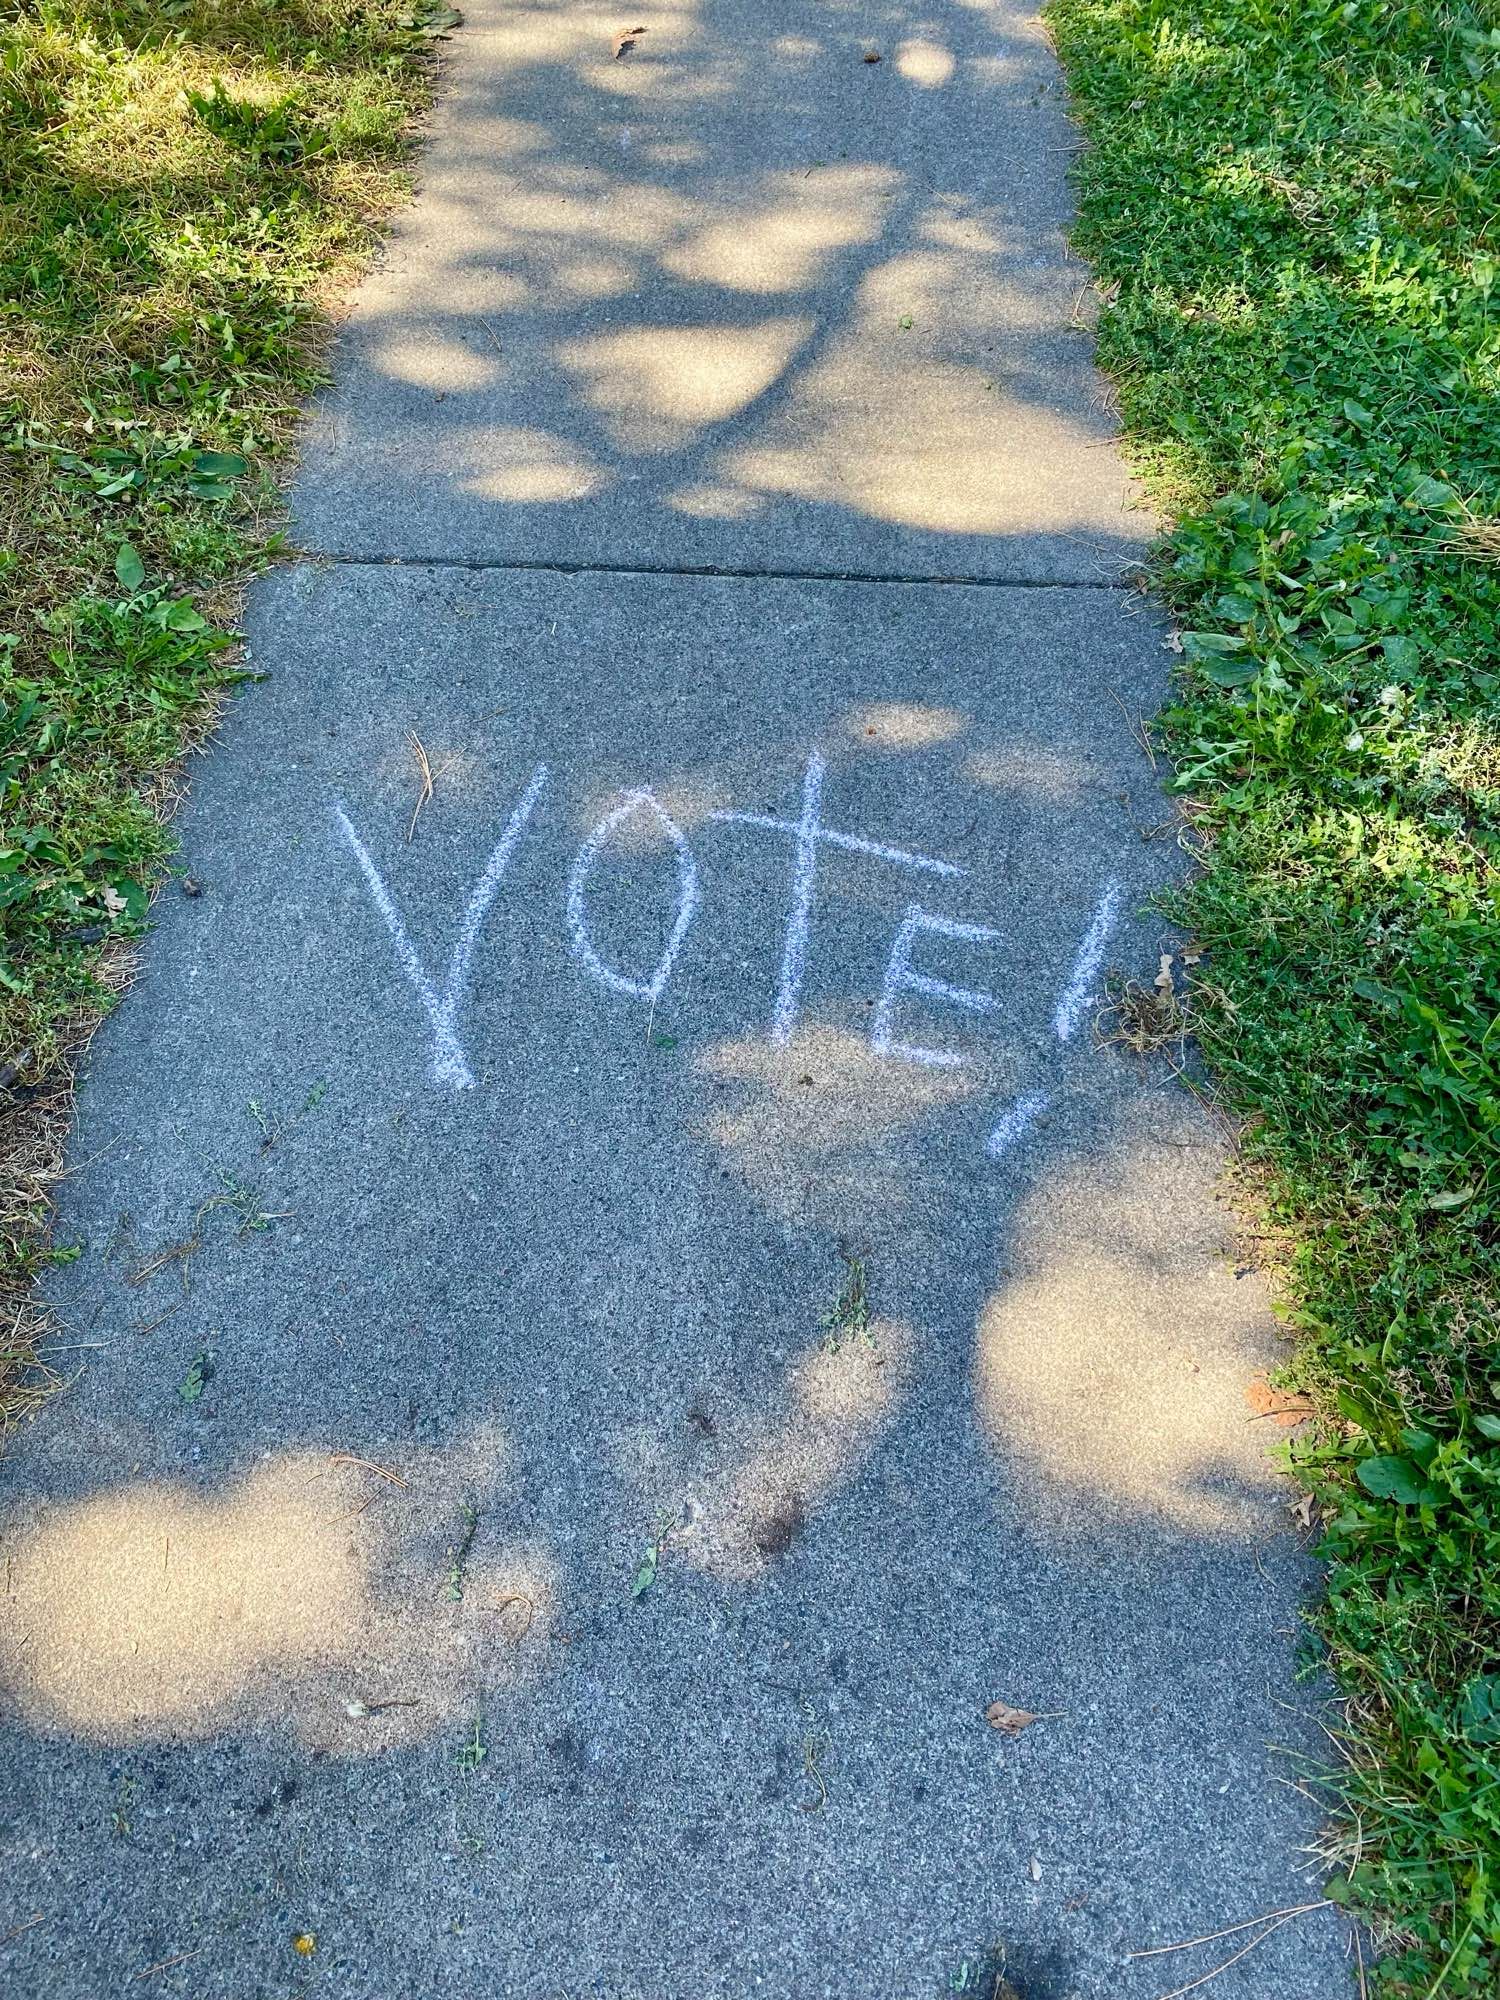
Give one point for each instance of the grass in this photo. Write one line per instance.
(183, 187)
(1294, 207)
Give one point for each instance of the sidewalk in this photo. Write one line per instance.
(624, 1305)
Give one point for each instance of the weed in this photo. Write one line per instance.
(243, 1200)
(1146, 1019)
(1290, 204)
(473, 1750)
(274, 134)
(983, 1978)
(201, 1371)
(849, 1317)
(458, 1555)
(650, 1562)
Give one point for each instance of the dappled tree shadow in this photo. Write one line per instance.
(652, 310)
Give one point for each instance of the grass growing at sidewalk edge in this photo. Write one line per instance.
(1292, 206)
(184, 184)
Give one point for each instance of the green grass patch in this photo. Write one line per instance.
(1294, 207)
(183, 186)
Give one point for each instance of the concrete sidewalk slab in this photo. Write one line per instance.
(739, 299)
(666, 1418)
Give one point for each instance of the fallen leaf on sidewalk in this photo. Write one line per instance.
(200, 1373)
(645, 1575)
(1000, 1715)
(1282, 1406)
(625, 41)
(872, 55)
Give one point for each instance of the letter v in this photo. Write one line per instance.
(449, 1063)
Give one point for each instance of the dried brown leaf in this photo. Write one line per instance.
(625, 41)
(1000, 1715)
(1280, 1406)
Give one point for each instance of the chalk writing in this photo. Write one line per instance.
(450, 1065)
(900, 978)
(807, 831)
(443, 1006)
(1016, 1123)
(1077, 993)
(687, 897)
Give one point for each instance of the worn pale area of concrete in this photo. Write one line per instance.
(739, 299)
(615, 1315)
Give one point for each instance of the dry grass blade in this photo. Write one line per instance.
(1231, 1930)
(182, 1252)
(1273, 1920)
(1136, 724)
(25, 1380)
(1234, 1958)
(811, 1753)
(1144, 1019)
(382, 1471)
(164, 1964)
(1478, 538)
(34, 1125)
(424, 771)
(527, 1604)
